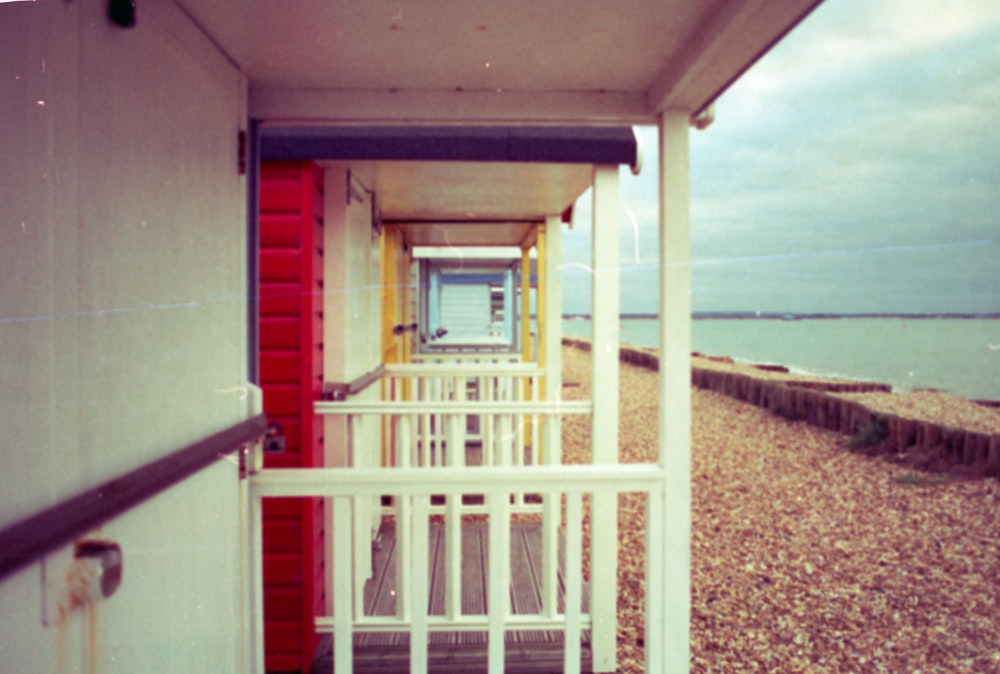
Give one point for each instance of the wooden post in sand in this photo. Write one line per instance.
(993, 455)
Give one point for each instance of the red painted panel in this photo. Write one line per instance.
(291, 269)
(282, 535)
(280, 299)
(283, 604)
(286, 638)
(279, 333)
(281, 507)
(279, 366)
(280, 230)
(281, 398)
(279, 195)
(282, 569)
(280, 264)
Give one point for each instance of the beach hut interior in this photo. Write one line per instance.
(285, 328)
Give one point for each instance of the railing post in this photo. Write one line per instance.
(343, 586)
(453, 514)
(574, 582)
(364, 510)
(419, 584)
(403, 524)
(498, 593)
(255, 541)
(551, 514)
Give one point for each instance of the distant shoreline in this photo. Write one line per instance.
(795, 316)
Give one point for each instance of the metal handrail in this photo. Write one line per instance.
(37, 535)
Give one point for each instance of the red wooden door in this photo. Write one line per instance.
(291, 373)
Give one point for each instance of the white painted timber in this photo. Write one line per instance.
(604, 479)
(551, 346)
(498, 407)
(420, 585)
(343, 585)
(413, 490)
(675, 388)
(604, 424)
(574, 582)
(255, 542)
(498, 594)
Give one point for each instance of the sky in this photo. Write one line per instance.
(855, 168)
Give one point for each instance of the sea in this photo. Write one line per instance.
(959, 356)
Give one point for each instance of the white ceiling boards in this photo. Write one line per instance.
(561, 61)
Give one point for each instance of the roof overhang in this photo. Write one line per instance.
(460, 185)
(467, 61)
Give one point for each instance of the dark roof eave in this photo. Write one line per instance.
(540, 144)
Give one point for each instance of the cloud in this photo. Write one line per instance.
(870, 131)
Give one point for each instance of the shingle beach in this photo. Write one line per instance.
(806, 556)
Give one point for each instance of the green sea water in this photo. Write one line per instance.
(960, 356)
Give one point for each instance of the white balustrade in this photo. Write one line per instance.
(409, 449)
(413, 488)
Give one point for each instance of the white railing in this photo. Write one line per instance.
(412, 487)
(454, 414)
(500, 436)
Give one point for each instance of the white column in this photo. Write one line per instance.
(553, 321)
(551, 425)
(675, 394)
(340, 581)
(604, 428)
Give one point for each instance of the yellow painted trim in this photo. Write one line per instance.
(526, 350)
(540, 308)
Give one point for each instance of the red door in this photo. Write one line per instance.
(291, 374)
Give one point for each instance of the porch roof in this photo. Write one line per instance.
(461, 185)
(529, 144)
(468, 61)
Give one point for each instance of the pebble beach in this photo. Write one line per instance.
(806, 556)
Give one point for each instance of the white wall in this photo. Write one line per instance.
(352, 300)
(122, 322)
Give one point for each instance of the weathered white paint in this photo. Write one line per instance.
(552, 431)
(604, 425)
(122, 323)
(675, 390)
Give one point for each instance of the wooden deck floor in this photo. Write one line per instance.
(461, 651)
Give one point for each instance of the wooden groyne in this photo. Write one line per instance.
(822, 402)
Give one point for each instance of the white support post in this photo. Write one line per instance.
(508, 305)
(574, 582)
(255, 541)
(486, 420)
(419, 583)
(604, 434)
(362, 457)
(343, 587)
(675, 390)
(498, 592)
(552, 443)
(403, 525)
(453, 515)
